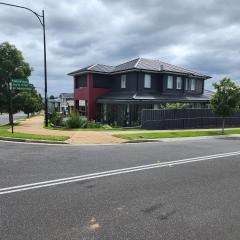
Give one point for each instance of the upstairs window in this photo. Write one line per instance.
(170, 82)
(193, 85)
(147, 81)
(179, 83)
(187, 84)
(81, 81)
(123, 81)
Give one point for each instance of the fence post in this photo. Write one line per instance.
(142, 117)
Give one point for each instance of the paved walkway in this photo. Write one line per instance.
(35, 125)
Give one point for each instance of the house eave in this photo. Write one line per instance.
(150, 101)
(78, 73)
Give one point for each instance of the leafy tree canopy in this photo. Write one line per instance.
(12, 63)
(13, 66)
(28, 102)
(226, 100)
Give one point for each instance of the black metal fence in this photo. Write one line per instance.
(185, 119)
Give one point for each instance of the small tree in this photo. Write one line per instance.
(28, 102)
(225, 101)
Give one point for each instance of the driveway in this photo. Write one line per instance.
(186, 198)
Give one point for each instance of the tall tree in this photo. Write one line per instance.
(12, 66)
(225, 101)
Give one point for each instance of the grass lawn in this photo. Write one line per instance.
(5, 133)
(174, 134)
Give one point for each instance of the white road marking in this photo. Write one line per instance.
(55, 182)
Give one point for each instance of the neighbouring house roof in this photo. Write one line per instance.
(128, 97)
(139, 64)
(66, 95)
(208, 93)
(55, 100)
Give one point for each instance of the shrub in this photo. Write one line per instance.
(175, 106)
(93, 124)
(74, 121)
(56, 119)
(106, 126)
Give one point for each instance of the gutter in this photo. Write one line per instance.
(9, 139)
(77, 73)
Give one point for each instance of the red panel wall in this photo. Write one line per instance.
(89, 94)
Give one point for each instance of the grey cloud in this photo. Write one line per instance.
(201, 35)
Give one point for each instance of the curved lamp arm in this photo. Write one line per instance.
(17, 6)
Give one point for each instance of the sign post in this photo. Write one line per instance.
(10, 105)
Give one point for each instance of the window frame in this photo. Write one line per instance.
(181, 83)
(123, 81)
(168, 78)
(147, 84)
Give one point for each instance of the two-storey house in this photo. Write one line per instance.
(119, 93)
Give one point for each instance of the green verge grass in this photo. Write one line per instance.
(175, 134)
(5, 133)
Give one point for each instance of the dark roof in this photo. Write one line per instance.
(208, 93)
(118, 97)
(55, 100)
(67, 95)
(154, 65)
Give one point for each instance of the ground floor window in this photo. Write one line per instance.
(81, 107)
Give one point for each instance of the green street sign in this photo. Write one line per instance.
(21, 84)
(23, 88)
(17, 81)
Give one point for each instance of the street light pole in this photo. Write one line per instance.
(45, 70)
(41, 19)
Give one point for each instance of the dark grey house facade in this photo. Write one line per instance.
(118, 94)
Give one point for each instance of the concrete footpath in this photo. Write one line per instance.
(35, 126)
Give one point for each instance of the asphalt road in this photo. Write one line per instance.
(195, 200)
(4, 117)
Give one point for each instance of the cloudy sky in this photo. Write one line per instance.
(200, 35)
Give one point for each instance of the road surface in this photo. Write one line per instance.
(128, 191)
(4, 117)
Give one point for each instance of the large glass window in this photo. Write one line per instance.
(123, 81)
(170, 82)
(193, 85)
(179, 82)
(147, 81)
(186, 84)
